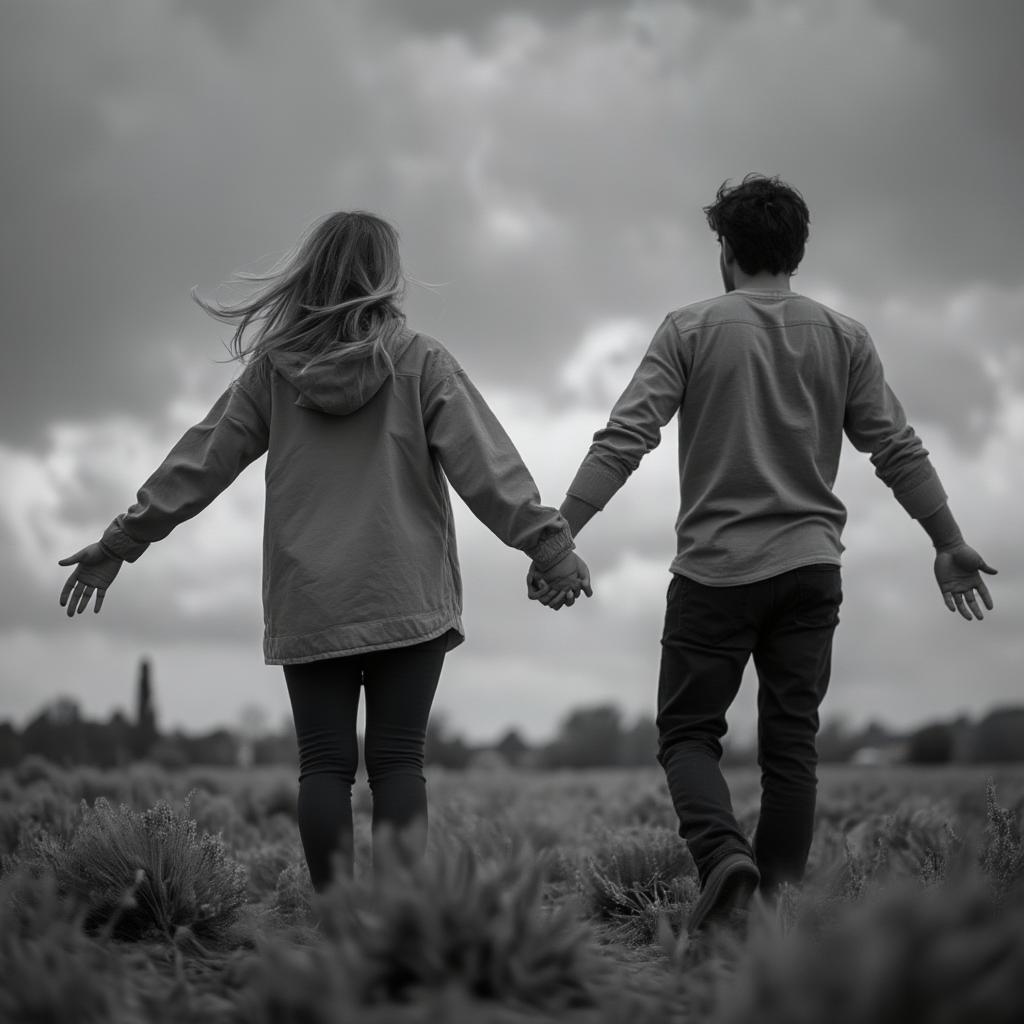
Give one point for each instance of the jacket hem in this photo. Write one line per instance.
(343, 641)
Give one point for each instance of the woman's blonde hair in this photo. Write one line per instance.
(335, 296)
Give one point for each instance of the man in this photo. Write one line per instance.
(765, 382)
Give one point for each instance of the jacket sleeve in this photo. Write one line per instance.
(650, 400)
(482, 464)
(875, 423)
(202, 464)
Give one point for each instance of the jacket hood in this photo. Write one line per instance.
(338, 386)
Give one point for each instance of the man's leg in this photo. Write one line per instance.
(325, 698)
(400, 687)
(705, 645)
(793, 660)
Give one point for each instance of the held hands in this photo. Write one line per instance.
(95, 572)
(561, 584)
(957, 572)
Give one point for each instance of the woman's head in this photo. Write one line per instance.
(337, 294)
(765, 222)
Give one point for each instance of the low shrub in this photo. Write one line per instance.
(634, 879)
(460, 920)
(52, 971)
(946, 954)
(1002, 855)
(148, 873)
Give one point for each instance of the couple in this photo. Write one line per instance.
(362, 419)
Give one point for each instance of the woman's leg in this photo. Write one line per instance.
(325, 699)
(400, 686)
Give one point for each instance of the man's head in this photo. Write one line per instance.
(765, 222)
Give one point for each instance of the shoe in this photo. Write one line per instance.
(729, 887)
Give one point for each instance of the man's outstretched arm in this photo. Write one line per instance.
(875, 423)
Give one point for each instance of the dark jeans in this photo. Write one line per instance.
(400, 685)
(786, 623)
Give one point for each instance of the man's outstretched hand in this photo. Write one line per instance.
(561, 584)
(94, 573)
(958, 572)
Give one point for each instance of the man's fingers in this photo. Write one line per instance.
(72, 559)
(100, 594)
(66, 590)
(961, 606)
(972, 603)
(948, 598)
(985, 595)
(985, 567)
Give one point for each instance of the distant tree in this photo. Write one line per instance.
(999, 736)
(836, 741)
(588, 738)
(443, 748)
(57, 733)
(146, 732)
(219, 747)
(170, 752)
(12, 749)
(118, 738)
(639, 745)
(931, 744)
(512, 747)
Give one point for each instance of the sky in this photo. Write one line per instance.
(545, 164)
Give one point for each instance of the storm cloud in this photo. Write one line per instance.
(546, 165)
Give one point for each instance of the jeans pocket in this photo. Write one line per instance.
(819, 593)
(704, 615)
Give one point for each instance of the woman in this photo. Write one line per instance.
(361, 419)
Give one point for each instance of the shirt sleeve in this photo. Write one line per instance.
(209, 456)
(875, 423)
(650, 400)
(483, 465)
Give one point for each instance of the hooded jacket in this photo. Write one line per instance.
(359, 546)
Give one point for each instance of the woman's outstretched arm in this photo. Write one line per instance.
(204, 462)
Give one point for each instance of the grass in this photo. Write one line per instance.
(148, 896)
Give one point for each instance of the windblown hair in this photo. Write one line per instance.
(335, 296)
(765, 222)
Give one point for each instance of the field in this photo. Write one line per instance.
(149, 896)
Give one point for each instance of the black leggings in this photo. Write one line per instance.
(400, 685)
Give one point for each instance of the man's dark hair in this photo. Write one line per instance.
(765, 222)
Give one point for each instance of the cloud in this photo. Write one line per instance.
(546, 165)
(549, 170)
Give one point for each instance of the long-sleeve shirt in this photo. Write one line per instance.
(764, 385)
(359, 546)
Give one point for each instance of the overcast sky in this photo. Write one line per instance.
(546, 163)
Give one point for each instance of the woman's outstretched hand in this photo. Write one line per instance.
(94, 573)
(561, 584)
